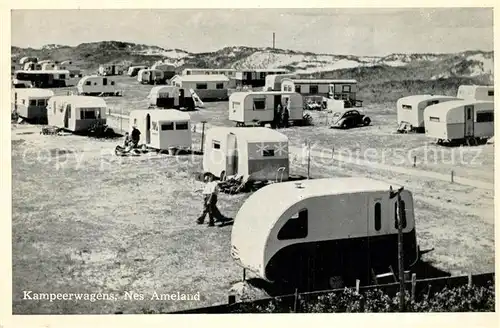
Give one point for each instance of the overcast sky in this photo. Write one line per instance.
(338, 31)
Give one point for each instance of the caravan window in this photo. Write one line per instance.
(433, 102)
(219, 86)
(62, 76)
(33, 102)
(236, 105)
(112, 82)
(154, 126)
(484, 117)
(268, 152)
(201, 86)
(104, 81)
(406, 107)
(181, 126)
(297, 89)
(295, 227)
(87, 113)
(215, 144)
(346, 88)
(167, 126)
(88, 83)
(403, 219)
(313, 89)
(259, 104)
(490, 93)
(378, 216)
(41, 102)
(434, 119)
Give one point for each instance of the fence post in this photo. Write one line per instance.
(202, 134)
(400, 256)
(469, 283)
(295, 301)
(452, 176)
(308, 159)
(231, 299)
(413, 285)
(357, 286)
(414, 161)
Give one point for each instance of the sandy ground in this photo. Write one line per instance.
(87, 221)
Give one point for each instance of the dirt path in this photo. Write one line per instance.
(395, 169)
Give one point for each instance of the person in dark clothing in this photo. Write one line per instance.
(210, 203)
(135, 136)
(285, 117)
(277, 116)
(127, 139)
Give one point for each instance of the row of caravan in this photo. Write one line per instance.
(469, 115)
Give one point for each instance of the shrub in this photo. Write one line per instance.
(457, 299)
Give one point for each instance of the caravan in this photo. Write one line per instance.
(168, 96)
(248, 107)
(410, 110)
(110, 69)
(31, 103)
(167, 69)
(76, 113)
(257, 154)
(207, 87)
(97, 85)
(163, 129)
(321, 231)
(150, 76)
(133, 70)
(477, 92)
(460, 120)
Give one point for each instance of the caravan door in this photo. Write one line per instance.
(148, 129)
(67, 115)
(469, 121)
(232, 155)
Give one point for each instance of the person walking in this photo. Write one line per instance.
(210, 203)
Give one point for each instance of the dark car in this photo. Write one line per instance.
(348, 119)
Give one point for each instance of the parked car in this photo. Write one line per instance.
(349, 118)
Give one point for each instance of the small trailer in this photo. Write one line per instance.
(76, 113)
(466, 121)
(28, 59)
(31, 103)
(477, 92)
(167, 69)
(133, 70)
(256, 154)
(150, 76)
(321, 231)
(273, 81)
(95, 85)
(110, 69)
(163, 129)
(248, 107)
(410, 111)
(32, 66)
(169, 96)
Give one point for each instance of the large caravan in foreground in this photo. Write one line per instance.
(323, 230)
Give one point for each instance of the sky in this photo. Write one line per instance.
(361, 32)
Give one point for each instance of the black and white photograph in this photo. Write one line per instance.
(252, 160)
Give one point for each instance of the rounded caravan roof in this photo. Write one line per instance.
(202, 78)
(28, 59)
(171, 115)
(249, 134)
(444, 109)
(415, 99)
(271, 208)
(81, 101)
(35, 92)
(241, 95)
